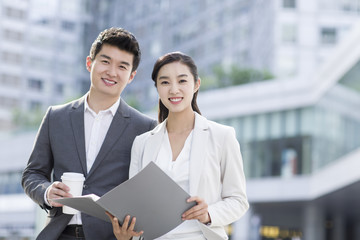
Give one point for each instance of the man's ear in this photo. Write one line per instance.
(88, 63)
(132, 75)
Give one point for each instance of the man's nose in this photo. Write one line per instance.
(111, 71)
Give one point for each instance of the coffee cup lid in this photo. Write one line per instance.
(73, 176)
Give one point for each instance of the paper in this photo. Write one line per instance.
(151, 196)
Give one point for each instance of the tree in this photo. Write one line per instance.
(234, 76)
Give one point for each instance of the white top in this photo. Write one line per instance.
(96, 127)
(178, 170)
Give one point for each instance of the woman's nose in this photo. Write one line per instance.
(174, 88)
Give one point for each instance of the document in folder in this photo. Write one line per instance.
(151, 196)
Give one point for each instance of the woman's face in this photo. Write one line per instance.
(176, 87)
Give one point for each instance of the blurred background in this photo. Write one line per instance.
(284, 73)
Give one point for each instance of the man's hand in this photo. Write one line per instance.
(57, 190)
(126, 231)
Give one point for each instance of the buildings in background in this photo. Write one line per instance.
(40, 54)
(288, 38)
(298, 134)
(44, 43)
(301, 147)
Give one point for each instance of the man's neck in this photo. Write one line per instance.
(100, 103)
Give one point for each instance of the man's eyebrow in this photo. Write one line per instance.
(163, 77)
(109, 58)
(105, 56)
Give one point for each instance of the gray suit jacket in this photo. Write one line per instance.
(60, 147)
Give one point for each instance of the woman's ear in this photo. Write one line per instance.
(197, 85)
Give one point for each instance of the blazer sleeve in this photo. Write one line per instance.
(37, 174)
(136, 156)
(233, 203)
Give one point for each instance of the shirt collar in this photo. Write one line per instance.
(112, 109)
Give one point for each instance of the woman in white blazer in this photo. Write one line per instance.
(202, 156)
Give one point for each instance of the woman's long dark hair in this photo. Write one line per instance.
(170, 58)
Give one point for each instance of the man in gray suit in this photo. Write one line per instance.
(92, 135)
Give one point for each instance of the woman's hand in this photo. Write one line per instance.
(199, 212)
(126, 231)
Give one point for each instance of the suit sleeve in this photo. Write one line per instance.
(37, 174)
(233, 203)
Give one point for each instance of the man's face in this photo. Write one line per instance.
(110, 71)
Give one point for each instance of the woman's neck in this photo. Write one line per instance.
(180, 122)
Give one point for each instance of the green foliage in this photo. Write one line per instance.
(234, 76)
(133, 102)
(27, 119)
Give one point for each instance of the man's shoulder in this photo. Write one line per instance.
(68, 106)
(136, 114)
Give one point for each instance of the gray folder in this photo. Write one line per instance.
(151, 196)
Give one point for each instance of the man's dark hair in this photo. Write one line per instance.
(120, 38)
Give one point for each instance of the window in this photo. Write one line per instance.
(68, 26)
(10, 57)
(59, 88)
(13, 13)
(328, 35)
(8, 102)
(289, 33)
(289, 4)
(35, 84)
(40, 63)
(10, 183)
(34, 105)
(10, 80)
(13, 35)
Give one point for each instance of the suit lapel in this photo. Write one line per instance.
(198, 150)
(153, 144)
(77, 123)
(118, 125)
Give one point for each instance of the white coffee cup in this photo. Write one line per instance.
(75, 182)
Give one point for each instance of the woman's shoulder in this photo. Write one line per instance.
(216, 127)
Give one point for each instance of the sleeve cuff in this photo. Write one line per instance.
(47, 204)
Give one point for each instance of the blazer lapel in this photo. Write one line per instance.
(116, 129)
(153, 144)
(198, 149)
(77, 123)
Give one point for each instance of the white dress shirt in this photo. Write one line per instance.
(178, 170)
(96, 127)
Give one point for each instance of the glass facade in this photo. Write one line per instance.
(303, 140)
(10, 183)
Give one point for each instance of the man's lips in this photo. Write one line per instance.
(109, 82)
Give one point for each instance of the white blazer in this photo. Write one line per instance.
(216, 169)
